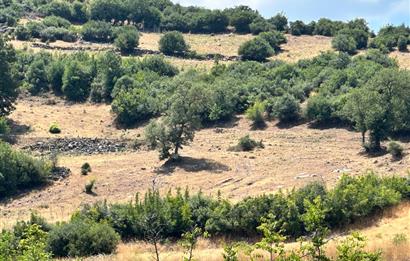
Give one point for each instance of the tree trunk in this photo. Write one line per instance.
(156, 250)
(363, 137)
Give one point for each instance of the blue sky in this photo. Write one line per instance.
(376, 12)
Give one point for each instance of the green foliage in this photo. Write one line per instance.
(173, 43)
(399, 239)
(189, 241)
(85, 168)
(241, 17)
(4, 127)
(272, 240)
(230, 253)
(127, 39)
(181, 120)
(20, 171)
(8, 81)
(82, 238)
(89, 187)
(300, 28)
(55, 73)
(274, 38)
(395, 149)
(97, 31)
(56, 21)
(76, 81)
(279, 22)
(257, 49)
(247, 144)
(30, 245)
(352, 248)
(285, 108)
(344, 43)
(402, 43)
(319, 108)
(158, 64)
(22, 33)
(54, 129)
(255, 113)
(36, 75)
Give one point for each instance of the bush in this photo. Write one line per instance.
(274, 38)
(344, 43)
(395, 149)
(76, 81)
(54, 129)
(56, 21)
(402, 44)
(157, 63)
(172, 43)
(51, 34)
(22, 33)
(4, 127)
(82, 238)
(247, 144)
(97, 31)
(133, 106)
(127, 39)
(89, 187)
(257, 49)
(285, 108)
(255, 113)
(35, 28)
(85, 168)
(20, 171)
(319, 108)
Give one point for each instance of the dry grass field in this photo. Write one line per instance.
(293, 156)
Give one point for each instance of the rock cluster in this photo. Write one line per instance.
(78, 146)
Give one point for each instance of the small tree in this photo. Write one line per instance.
(257, 49)
(285, 108)
(272, 240)
(402, 43)
(76, 81)
(344, 43)
(352, 248)
(177, 127)
(255, 113)
(314, 220)
(173, 43)
(189, 241)
(127, 39)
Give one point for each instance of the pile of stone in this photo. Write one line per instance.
(87, 146)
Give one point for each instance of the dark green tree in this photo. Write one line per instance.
(8, 81)
(173, 43)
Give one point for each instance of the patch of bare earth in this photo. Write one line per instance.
(292, 157)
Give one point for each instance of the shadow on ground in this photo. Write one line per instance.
(192, 165)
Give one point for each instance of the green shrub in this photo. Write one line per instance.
(127, 39)
(56, 21)
(395, 149)
(285, 108)
(133, 106)
(4, 127)
(344, 43)
(89, 187)
(76, 81)
(402, 43)
(399, 239)
(319, 108)
(51, 34)
(82, 238)
(257, 49)
(85, 168)
(274, 38)
(255, 113)
(247, 144)
(22, 33)
(173, 43)
(97, 31)
(158, 64)
(20, 171)
(54, 129)
(35, 28)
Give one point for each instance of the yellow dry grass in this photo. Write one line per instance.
(293, 156)
(402, 58)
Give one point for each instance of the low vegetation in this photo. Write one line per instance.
(20, 171)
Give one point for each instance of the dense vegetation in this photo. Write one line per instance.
(96, 228)
(19, 171)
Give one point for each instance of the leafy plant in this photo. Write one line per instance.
(395, 149)
(89, 186)
(54, 129)
(85, 168)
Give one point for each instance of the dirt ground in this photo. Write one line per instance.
(293, 156)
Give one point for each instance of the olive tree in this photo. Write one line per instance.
(181, 119)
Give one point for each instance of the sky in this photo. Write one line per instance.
(377, 12)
